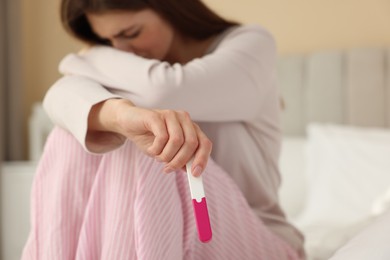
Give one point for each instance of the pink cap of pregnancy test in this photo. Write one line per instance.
(202, 220)
(200, 205)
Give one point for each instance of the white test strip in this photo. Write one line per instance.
(196, 184)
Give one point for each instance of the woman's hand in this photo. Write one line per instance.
(167, 135)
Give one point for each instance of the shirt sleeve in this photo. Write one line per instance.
(227, 85)
(70, 109)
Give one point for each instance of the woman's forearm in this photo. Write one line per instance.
(103, 116)
(103, 131)
(167, 135)
(241, 69)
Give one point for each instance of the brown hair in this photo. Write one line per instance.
(191, 18)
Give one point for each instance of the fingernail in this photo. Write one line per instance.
(197, 171)
(168, 170)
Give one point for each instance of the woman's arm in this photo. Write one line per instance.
(228, 85)
(169, 136)
(241, 72)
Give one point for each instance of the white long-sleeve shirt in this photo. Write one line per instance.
(230, 92)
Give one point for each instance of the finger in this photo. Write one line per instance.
(158, 128)
(189, 146)
(176, 137)
(202, 154)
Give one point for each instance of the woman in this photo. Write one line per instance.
(99, 192)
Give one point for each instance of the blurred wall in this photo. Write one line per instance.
(310, 25)
(44, 44)
(298, 26)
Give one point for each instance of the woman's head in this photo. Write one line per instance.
(190, 18)
(143, 33)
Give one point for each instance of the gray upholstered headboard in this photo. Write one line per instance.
(344, 87)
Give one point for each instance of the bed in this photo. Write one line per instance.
(336, 181)
(335, 157)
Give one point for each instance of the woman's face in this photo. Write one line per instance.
(143, 33)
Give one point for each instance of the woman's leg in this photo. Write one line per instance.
(60, 194)
(134, 210)
(138, 212)
(122, 206)
(93, 207)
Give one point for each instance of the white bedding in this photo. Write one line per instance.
(335, 183)
(372, 243)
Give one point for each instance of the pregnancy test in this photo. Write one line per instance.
(200, 205)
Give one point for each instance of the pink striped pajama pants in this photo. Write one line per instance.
(120, 206)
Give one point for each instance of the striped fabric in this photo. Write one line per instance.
(121, 206)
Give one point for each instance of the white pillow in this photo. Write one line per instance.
(372, 243)
(348, 169)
